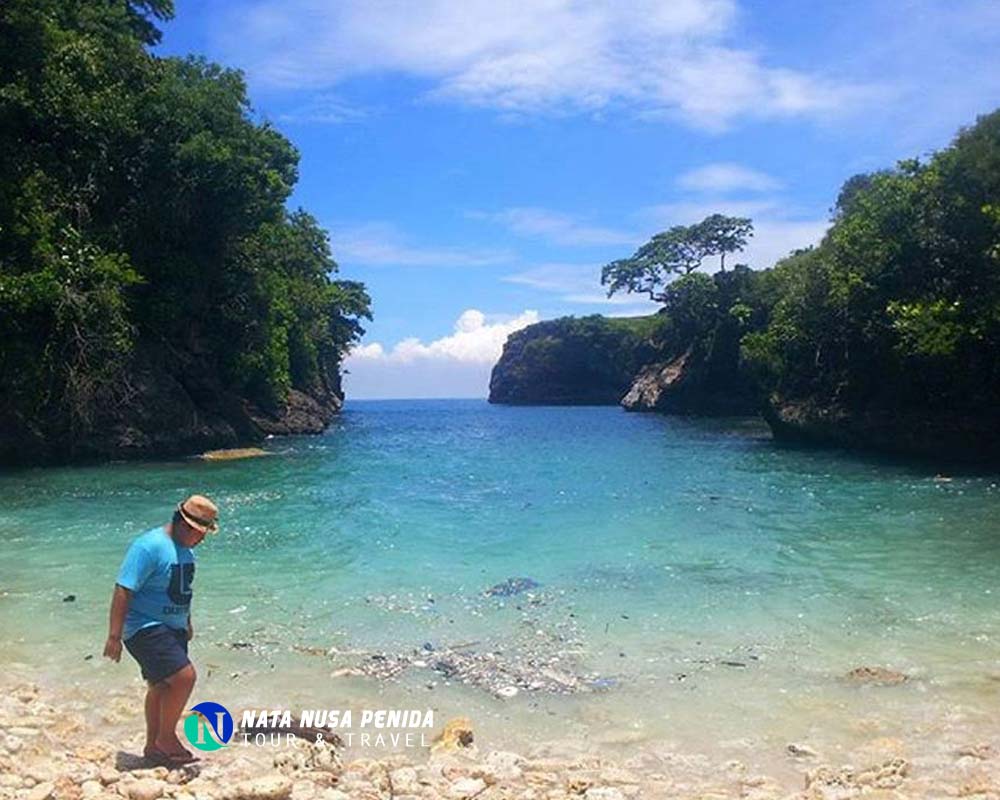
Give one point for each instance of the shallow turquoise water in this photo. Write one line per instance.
(664, 547)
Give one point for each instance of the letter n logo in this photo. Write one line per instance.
(209, 726)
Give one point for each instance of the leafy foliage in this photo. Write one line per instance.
(678, 251)
(897, 308)
(142, 208)
(900, 304)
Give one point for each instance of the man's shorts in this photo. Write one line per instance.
(160, 651)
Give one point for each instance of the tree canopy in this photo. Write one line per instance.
(899, 305)
(678, 251)
(896, 309)
(142, 211)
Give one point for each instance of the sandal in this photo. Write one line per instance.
(160, 758)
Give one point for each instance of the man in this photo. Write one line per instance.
(151, 612)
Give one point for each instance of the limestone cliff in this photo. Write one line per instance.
(605, 361)
(571, 361)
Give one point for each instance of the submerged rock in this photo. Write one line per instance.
(501, 672)
(512, 586)
(800, 750)
(877, 676)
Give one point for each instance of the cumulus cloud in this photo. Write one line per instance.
(528, 56)
(457, 365)
(725, 177)
(477, 339)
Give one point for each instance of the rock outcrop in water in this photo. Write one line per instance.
(692, 384)
(571, 361)
(607, 361)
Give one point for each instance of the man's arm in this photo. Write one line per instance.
(134, 572)
(120, 600)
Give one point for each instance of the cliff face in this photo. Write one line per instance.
(953, 435)
(172, 406)
(570, 361)
(698, 382)
(688, 385)
(602, 361)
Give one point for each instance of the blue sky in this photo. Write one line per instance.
(477, 161)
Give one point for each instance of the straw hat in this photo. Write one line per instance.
(200, 513)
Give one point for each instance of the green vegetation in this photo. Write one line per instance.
(642, 328)
(893, 319)
(899, 306)
(678, 251)
(143, 221)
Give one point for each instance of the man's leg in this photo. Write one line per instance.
(176, 689)
(154, 697)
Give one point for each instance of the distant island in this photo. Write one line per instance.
(885, 336)
(156, 297)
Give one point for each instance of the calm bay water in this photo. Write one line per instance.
(716, 585)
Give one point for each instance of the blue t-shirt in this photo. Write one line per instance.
(159, 573)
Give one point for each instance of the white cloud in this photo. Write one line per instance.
(457, 365)
(533, 55)
(326, 109)
(559, 277)
(554, 226)
(371, 352)
(477, 339)
(727, 177)
(380, 243)
(579, 284)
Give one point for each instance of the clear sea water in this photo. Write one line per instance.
(719, 586)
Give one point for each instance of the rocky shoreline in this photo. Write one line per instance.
(955, 435)
(170, 411)
(56, 747)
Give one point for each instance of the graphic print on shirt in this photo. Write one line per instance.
(181, 578)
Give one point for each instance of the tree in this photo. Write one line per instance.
(678, 251)
(721, 235)
(143, 229)
(899, 305)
